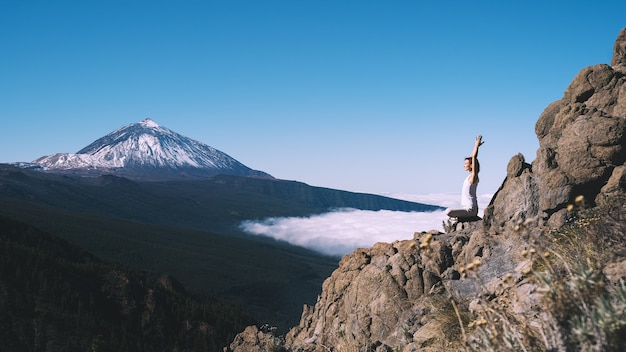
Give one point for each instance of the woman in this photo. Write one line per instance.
(469, 202)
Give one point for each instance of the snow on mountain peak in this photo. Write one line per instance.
(146, 146)
(149, 123)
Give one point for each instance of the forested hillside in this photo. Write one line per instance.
(57, 297)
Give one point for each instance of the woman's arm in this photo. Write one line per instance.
(474, 156)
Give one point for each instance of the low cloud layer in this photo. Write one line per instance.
(340, 232)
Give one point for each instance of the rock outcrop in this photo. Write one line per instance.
(398, 296)
(581, 147)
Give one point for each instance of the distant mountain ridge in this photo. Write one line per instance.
(214, 203)
(148, 151)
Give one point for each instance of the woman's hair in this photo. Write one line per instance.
(476, 167)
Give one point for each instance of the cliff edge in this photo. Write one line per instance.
(542, 271)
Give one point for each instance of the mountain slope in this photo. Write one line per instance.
(190, 229)
(216, 204)
(146, 150)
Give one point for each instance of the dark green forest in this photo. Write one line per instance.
(56, 297)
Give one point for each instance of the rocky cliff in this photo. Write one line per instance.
(542, 271)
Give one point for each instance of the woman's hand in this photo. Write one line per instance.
(479, 140)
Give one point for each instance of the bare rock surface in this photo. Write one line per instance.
(254, 339)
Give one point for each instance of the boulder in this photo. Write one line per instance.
(369, 298)
(254, 339)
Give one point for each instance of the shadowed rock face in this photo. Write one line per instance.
(386, 298)
(619, 50)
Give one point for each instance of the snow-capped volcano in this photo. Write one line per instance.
(147, 150)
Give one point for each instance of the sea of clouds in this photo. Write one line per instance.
(340, 232)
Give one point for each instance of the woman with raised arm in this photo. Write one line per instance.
(469, 201)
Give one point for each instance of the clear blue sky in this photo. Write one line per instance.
(367, 96)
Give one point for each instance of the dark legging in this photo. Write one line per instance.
(462, 213)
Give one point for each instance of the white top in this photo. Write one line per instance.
(468, 195)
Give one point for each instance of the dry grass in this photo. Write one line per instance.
(579, 309)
